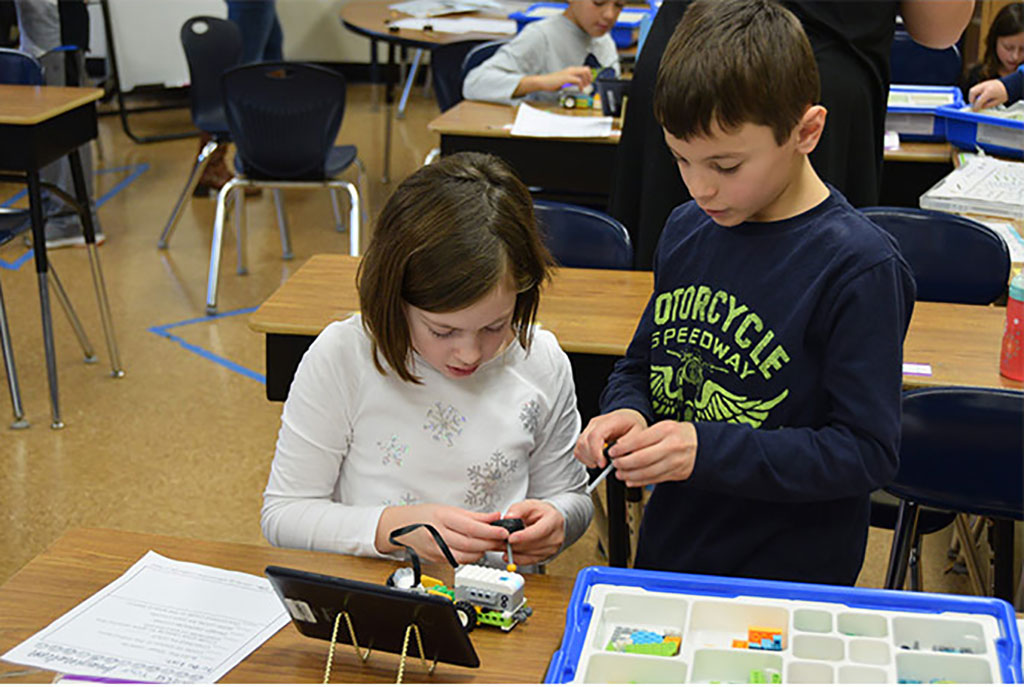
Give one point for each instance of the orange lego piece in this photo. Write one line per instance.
(739, 644)
(756, 634)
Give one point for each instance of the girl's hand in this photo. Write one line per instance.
(987, 94)
(664, 452)
(605, 429)
(467, 533)
(544, 533)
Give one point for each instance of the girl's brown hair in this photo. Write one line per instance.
(446, 237)
(1009, 21)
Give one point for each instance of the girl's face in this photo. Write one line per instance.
(457, 343)
(1010, 51)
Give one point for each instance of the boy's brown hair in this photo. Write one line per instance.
(446, 237)
(735, 62)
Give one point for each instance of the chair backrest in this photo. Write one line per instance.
(954, 259)
(446, 65)
(476, 56)
(283, 117)
(912, 63)
(961, 450)
(19, 68)
(581, 237)
(212, 46)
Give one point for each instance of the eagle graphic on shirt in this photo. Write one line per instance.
(684, 393)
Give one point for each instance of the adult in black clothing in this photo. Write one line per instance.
(851, 43)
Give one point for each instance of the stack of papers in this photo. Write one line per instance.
(435, 8)
(531, 121)
(506, 27)
(983, 186)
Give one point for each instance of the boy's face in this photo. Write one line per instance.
(457, 343)
(1010, 51)
(741, 175)
(596, 17)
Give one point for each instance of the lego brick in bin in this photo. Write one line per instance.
(622, 33)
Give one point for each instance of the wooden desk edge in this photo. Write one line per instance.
(88, 95)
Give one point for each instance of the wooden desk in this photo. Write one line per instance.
(83, 561)
(38, 125)
(372, 19)
(580, 170)
(596, 311)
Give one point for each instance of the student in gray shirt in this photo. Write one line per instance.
(549, 54)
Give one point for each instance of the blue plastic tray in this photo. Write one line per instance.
(622, 33)
(971, 130)
(920, 122)
(849, 602)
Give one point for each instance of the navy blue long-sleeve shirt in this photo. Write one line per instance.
(782, 342)
(1014, 83)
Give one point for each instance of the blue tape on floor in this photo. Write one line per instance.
(162, 330)
(136, 172)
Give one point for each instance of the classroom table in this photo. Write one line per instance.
(372, 19)
(38, 125)
(581, 170)
(83, 561)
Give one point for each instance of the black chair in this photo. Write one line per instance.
(212, 46)
(446, 67)
(17, 67)
(954, 259)
(961, 450)
(912, 63)
(581, 237)
(283, 118)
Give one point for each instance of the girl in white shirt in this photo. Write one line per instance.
(441, 402)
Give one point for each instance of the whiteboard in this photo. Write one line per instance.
(147, 39)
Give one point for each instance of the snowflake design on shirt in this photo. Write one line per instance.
(444, 423)
(405, 499)
(393, 451)
(486, 480)
(529, 415)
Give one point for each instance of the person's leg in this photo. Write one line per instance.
(273, 51)
(255, 19)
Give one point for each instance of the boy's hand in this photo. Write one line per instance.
(987, 94)
(577, 76)
(544, 533)
(468, 534)
(664, 452)
(605, 429)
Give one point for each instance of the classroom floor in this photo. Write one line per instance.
(183, 443)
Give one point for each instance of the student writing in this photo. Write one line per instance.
(761, 391)
(549, 54)
(441, 402)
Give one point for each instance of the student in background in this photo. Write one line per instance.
(262, 39)
(549, 54)
(761, 391)
(1004, 49)
(441, 402)
(851, 42)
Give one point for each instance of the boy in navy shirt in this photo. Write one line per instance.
(761, 391)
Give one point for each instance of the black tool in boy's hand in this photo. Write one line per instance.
(512, 525)
(604, 473)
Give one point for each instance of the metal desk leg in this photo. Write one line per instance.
(35, 202)
(389, 101)
(416, 57)
(94, 262)
(12, 373)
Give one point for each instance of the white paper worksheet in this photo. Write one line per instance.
(161, 621)
(531, 121)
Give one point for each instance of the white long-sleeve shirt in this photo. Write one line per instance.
(353, 441)
(542, 47)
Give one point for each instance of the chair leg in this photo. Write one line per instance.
(76, 324)
(361, 183)
(216, 245)
(970, 553)
(12, 373)
(336, 209)
(902, 541)
(353, 219)
(431, 156)
(282, 225)
(193, 178)
(914, 565)
(416, 57)
(241, 232)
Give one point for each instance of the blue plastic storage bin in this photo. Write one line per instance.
(912, 111)
(623, 33)
(996, 135)
(816, 633)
